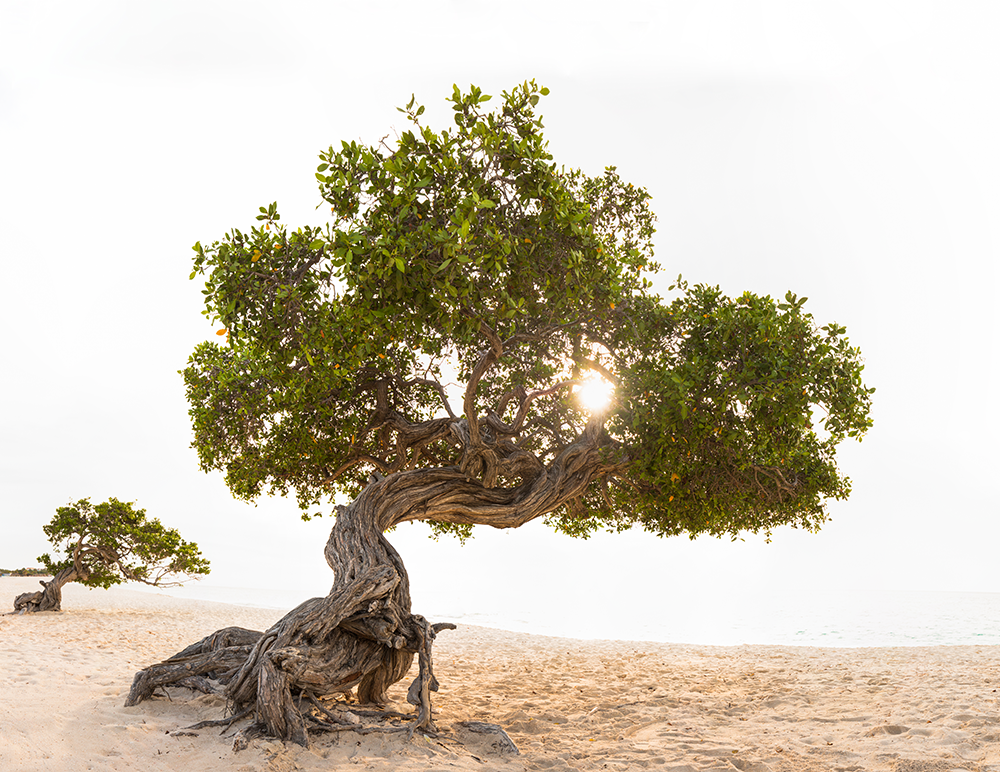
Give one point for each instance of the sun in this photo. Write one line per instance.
(595, 394)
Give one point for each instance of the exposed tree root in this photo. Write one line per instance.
(289, 676)
(360, 637)
(225, 723)
(49, 598)
(186, 670)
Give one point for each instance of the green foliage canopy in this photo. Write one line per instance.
(111, 543)
(467, 256)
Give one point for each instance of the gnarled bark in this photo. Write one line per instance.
(50, 597)
(363, 634)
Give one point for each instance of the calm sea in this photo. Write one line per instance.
(856, 618)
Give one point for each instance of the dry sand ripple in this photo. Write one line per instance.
(615, 705)
(567, 704)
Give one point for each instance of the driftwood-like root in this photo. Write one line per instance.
(49, 598)
(179, 671)
(361, 636)
(225, 723)
(288, 675)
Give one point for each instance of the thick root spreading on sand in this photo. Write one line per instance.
(285, 690)
(362, 636)
(49, 598)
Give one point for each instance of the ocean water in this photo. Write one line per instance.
(833, 618)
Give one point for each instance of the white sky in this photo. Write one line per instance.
(844, 150)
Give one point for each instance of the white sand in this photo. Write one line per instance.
(568, 704)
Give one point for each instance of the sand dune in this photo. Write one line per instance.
(567, 704)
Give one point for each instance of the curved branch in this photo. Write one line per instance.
(449, 495)
(353, 462)
(488, 358)
(436, 385)
(512, 429)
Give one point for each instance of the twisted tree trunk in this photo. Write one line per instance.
(50, 597)
(362, 634)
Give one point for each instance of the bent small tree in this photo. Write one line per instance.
(108, 544)
(425, 354)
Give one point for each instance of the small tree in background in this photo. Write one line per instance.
(108, 544)
(425, 356)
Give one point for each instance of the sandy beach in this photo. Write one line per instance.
(567, 704)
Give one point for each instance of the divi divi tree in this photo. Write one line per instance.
(424, 356)
(106, 544)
